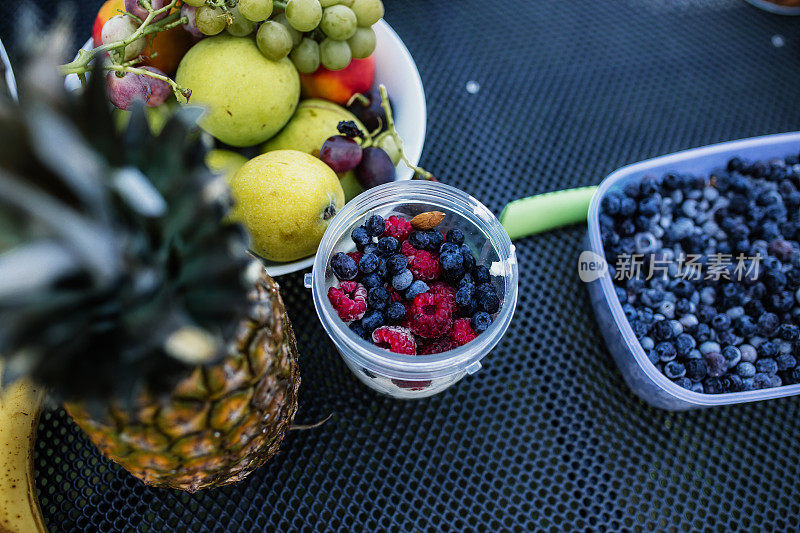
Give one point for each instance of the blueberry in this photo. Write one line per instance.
(344, 266)
(370, 248)
(745, 369)
(745, 326)
(767, 323)
(611, 202)
(712, 385)
(487, 298)
(762, 381)
(467, 257)
(665, 351)
(775, 380)
(373, 319)
(358, 329)
(368, 263)
(455, 236)
(396, 264)
(388, 245)
(789, 332)
(361, 237)
(731, 383)
(375, 225)
(767, 366)
(686, 383)
(403, 280)
(464, 294)
(481, 321)
(732, 355)
(419, 240)
(785, 362)
(395, 313)
(481, 274)
(649, 206)
(378, 298)
(471, 308)
(662, 330)
(684, 343)
(416, 288)
(674, 370)
(696, 369)
(371, 280)
(622, 294)
(721, 322)
(435, 239)
(383, 270)
(717, 365)
(767, 349)
(702, 333)
(450, 248)
(451, 262)
(748, 384)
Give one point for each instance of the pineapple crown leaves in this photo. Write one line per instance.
(116, 269)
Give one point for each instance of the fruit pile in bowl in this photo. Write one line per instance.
(276, 79)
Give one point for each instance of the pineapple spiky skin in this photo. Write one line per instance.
(127, 296)
(219, 423)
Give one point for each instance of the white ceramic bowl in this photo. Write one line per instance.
(394, 68)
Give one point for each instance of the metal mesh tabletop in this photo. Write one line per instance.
(547, 435)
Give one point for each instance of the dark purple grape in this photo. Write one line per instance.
(191, 26)
(135, 8)
(340, 153)
(376, 168)
(126, 89)
(372, 115)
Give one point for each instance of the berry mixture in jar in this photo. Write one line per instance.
(411, 288)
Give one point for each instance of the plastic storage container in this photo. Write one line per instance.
(639, 373)
(774, 7)
(416, 376)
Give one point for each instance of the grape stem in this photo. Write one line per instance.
(82, 64)
(177, 89)
(419, 172)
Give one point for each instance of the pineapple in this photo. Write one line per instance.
(122, 291)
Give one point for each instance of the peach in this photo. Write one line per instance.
(340, 85)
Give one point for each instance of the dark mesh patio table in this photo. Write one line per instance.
(547, 436)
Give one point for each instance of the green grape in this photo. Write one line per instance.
(255, 10)
(240, 26)
(274, 40)
(195, 3)
(305, 56)
(368, 12)
(296, 35)
(362, 43)
(329, 3)
(210, 20)
(338, 22)
(303, 15)
(335, 55)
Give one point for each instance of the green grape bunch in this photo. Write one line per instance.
(311, 33)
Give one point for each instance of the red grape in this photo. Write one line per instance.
(135, 8)
(159, 89)
(124, 90)
(376, 168)
(191, 27)
(340, 153)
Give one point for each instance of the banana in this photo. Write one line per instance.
(20, 405)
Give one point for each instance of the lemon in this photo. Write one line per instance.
(285, 199)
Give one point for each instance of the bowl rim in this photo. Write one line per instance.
(418, 366)
(728, 149)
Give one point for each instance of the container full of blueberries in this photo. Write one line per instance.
(414, 282)
(700, 302)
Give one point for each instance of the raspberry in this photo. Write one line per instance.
(436, 346)
(395, 339)
(431, 315)
(397, 227)
(462, 332)
(349, 300)
(411, 385)
(356, 256)
(408, 249)
(424, 265)
(448, 291)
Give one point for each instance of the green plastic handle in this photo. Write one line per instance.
(547, 211)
